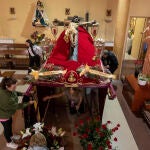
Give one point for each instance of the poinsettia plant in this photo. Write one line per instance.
(94, 135)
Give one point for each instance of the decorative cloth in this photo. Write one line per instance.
(86, 51)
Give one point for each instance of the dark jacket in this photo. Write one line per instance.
(9, 103)
(110, 60)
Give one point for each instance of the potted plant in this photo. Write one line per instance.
(94, 135)
(142, 79)
(138, 67)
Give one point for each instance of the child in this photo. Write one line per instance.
(38, 142)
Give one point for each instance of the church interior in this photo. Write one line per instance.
(82, 69)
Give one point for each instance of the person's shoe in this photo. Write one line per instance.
(12, 145)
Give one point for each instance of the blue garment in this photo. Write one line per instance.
(40, 17)
(145, 46)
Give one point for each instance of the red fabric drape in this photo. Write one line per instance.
(86, 51)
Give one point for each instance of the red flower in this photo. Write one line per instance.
(74, 133)
(118, 125)
(88, 119)
(116, 128)
(80, 137)
(108, 142)
(97, 129)
(98, 118)
(81, 122)
(108, 122)
(87, 130)
(101, 134)
(100, 148)
(109, 147)
(89, 146)
(76, 125)
(104, 126)
(115, 139)
(85, 135)
(113, 130)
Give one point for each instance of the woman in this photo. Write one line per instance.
(8, 106)
(75, 98)
(35, 54)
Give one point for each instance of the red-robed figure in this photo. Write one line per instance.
(60, 54)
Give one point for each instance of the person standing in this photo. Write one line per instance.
(8, 106)
(35, 54)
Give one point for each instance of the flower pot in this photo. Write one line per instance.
(142, 82)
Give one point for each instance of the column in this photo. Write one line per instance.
(120, 31)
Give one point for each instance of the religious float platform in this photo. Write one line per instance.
(44, 83)
(73, 62)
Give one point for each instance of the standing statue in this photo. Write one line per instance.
(74, 47)
(40, 18)
(146, 65)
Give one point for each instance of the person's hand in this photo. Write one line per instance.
(107, 66)
(46, 98)
(31, 102)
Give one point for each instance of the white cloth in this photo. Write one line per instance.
(37, 49)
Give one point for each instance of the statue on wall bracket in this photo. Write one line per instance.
(40, 18)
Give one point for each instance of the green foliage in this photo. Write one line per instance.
(37, 37)
(94, 135)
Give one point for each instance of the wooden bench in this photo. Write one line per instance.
(12, 46)
(135, 94)
(7, 73)
(13, 56)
